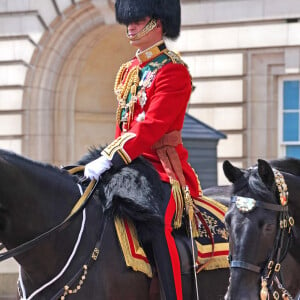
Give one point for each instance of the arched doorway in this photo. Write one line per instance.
(68, 102)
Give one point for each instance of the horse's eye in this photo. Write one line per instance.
(269, 228)
(260, 224)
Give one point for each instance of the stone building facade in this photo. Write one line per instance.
(58, 60)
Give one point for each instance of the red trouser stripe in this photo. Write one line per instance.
(170, 211)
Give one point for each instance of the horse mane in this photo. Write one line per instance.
(92, 154)
(288, 165)
(44, 170)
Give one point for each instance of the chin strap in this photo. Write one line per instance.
(149, 27)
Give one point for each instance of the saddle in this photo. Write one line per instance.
(209, 253)
(211, 247)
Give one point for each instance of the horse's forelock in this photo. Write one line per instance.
(257, 189)
(251, 184)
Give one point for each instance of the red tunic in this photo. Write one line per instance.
(158, 108)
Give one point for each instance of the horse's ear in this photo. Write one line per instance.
(266, 173)
(231, 172)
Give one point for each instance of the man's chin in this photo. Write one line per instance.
(133, 43)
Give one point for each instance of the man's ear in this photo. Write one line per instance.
(159, 27)
(158, 23)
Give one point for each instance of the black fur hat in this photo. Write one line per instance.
(168, 11)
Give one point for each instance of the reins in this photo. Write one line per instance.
(21, 288)
(281, 243)
(78, 207)
(81, 274)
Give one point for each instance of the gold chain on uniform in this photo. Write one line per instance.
(122, 89)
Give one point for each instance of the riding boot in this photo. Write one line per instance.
(165, 269)
(158, 255)
(154, 291)
(166, 254)
(160, 247)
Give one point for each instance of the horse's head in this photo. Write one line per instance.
(254, 230)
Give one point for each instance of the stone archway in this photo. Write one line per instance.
(68, 100)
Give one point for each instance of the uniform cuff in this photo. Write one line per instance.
(115, 151)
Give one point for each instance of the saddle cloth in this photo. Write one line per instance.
(214, 255)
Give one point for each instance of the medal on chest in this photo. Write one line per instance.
(131, 88)
(144, 84)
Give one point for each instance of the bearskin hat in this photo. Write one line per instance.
(168, 11)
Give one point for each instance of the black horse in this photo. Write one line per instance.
(263, 224)
(60, 261)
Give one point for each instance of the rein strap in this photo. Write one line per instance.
(244, 265)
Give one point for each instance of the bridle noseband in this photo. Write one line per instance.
(281, 243)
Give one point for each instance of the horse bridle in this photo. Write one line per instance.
(281, 243)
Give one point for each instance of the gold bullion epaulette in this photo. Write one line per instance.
(176, 59)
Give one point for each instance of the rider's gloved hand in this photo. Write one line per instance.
(95, 168)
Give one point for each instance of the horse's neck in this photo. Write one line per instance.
(290, 273)
(294, 211)
(220, 194)
(293, 257)
(35, 206)
(295, 244)
(46, 261)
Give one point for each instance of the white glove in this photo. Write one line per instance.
(95, 168)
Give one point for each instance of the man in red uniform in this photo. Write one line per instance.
(152, 91)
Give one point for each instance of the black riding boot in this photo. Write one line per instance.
(164, 268)
(161, 250)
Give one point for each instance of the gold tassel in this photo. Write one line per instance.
(177, 194)
(264, 290)
(188, 201)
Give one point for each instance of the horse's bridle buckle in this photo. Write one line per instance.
(276, 295)
(277, 267)
(95, 254)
